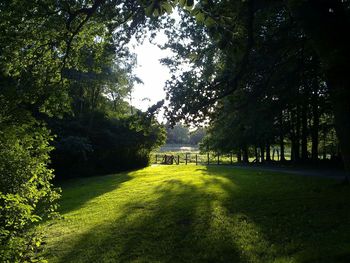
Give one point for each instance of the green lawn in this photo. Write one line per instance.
(201, 214)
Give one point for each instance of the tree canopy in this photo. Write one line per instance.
(258, 72)
(262, 71)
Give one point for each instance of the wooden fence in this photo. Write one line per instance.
(193, 158)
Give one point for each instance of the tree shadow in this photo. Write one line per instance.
(176, 227)
(304, 219)
(227, 215)
(78, 191)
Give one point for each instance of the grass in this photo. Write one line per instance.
(201, 214)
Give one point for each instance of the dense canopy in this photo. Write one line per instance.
(257, 73)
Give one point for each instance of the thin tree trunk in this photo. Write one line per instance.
(256, 154)
(262, 148)
(324, 145)
(268, 154)
(245, 154)
(304, 155)
(283, 159)
(315, 128)
(239, 156)
(297, 136)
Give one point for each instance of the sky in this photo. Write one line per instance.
(151, 72)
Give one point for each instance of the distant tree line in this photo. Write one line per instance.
(180, 134)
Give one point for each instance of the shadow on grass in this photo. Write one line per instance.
(232, 216)
(174, 228)
(76, 192)
(305, 219)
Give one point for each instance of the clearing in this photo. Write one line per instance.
(201, 214)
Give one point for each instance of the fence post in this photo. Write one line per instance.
(196, 159)
(186, 158)
(218, 158)
(231, 158)
(208, 157)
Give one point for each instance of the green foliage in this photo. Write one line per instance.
(56, 57)
(95, 143)
(26, 194)
(256, 76)
(178, 134)
(102, 134)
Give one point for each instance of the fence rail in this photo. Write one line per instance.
(192, 158)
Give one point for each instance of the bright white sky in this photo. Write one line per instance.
(151, 72)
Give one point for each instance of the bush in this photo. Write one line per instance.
(98, 144)
(26, 194)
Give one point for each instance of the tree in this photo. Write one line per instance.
(299, 32)
(178, 134)
(197, 136)
(40, 42)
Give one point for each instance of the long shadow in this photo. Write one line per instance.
(304, 219)
(176, 227)
(232, 216)
(74, 197)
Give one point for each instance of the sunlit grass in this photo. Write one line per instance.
(201, 214)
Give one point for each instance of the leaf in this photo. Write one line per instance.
(200, 17)
(167, 7)
(209, 22)
(149, 10)
(156, 12)
(182, 3)
(190, 3)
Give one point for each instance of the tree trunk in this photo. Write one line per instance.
(324, 155)
(268, 156)
(315, 128)
(245, 154)
(297, 136)
(262, 148)
(283, 159)
(256, 154)
(239, 156)
(304, 155)
(340, 95)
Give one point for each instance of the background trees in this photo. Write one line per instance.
(258, 71)
(180, 134)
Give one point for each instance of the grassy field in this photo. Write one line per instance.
(201, 214)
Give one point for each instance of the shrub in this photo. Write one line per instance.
(26, 194)
(97, 144)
